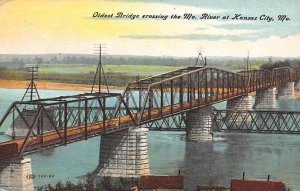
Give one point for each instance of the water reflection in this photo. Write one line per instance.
(211, 163)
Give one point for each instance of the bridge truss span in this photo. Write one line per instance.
(47, 123)
(183, 90)
(159, 100)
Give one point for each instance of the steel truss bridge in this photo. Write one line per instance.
(159, 102)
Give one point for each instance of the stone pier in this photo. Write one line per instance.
(16, 175)
(124, 154)
(240, 103)
(243, 103)
(297, 86)
(286, 90)
(199, 124)
(265, 99)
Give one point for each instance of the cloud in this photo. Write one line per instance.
(238, 36)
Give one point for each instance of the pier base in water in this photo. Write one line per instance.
(199, 124)
(124, 154)
(286, 90)
(265, 99)
(16, 175)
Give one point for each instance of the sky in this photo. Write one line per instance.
(69, 26)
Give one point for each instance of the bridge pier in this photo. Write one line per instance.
(16, 175)
(286, 90)
(265, 99)
(240, 103)
(124, 154)
(199, 124)
(243, 103)
(297, 87)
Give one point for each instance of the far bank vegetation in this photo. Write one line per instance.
(80, 69)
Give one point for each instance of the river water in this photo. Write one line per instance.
(216, 163)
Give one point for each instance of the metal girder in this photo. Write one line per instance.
(280, 122)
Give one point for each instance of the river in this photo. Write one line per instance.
(217, 162)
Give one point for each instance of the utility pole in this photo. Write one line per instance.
(203, 60)
(31, 76)
(100, 72)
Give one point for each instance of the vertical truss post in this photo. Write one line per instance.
(228, 85)
(259, 73)
(104, 115)
(172, 96)
(206, 87)
(233, 84)
(198, 87)
(194, 88)
(238, 82)
(13, 136)
(256, 81)
(190, 90)
(161, 99)
(42, 126)
(273, 78)
(181, 93)
(253, 81)
(60, 125)
(127, 100)
(85, 118)
(211, 85)
(150, 106)
(140, 99)
(264, 80)
(65, 123)
(223, 85)
(218, 85)
(79, 113)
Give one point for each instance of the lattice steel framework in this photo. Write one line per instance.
(174, 93)
(280, 122)
(48, 123)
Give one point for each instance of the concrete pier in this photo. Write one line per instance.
(16, 175)
(265, 99)
(199, 124)
(286, 90)
(124, 154)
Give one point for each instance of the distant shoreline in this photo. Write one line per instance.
(17, 84)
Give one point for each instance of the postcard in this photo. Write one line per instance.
(140, 95)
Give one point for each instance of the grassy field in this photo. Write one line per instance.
(142, 70)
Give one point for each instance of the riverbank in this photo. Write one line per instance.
(16, 84)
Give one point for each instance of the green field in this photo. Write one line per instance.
(142, 70)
